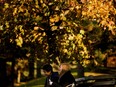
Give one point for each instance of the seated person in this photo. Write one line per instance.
(52, 77)
(65, 78)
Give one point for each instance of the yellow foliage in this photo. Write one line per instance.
(15, 11)
(54, 28)
(55, 18)
(19, 41)
(99, 10)
(6, 5)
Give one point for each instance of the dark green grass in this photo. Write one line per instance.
(34, 83)
(40, 81)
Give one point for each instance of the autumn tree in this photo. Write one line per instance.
(63, 31)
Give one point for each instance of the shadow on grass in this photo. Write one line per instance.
(34, 83)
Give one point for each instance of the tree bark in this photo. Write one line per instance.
(19, 76)
(31, 69)
(80, 70)
(38, 69)
(13, 75)
(3, 74)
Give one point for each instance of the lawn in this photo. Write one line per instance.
(34, 83)
(40, 81)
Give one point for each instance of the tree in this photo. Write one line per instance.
(63, 30)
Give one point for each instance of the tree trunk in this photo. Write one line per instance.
(38, 69)
(19, 76)
(35, 69)
(52, 51)
(13, 75)
(31, 68)
(38, 72)
(80, 70)
(3, 75)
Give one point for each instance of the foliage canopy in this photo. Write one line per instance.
(61, 30)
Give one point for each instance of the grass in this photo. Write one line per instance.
(40, 81)
(34, 83)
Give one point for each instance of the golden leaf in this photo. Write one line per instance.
(51, 19)
(54, 28)
(15, 11)
(6, 5)
(19, 41)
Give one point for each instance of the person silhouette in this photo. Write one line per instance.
(51, 77)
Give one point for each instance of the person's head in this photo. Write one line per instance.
(64, 67)
(47, 69)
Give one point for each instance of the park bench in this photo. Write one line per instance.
(96, 81)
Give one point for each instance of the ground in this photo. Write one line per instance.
(40, 81)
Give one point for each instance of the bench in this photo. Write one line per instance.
(96, 81)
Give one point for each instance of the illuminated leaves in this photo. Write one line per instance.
(38, 18)
(6, 5)
(68, 24)
(19, 41)
(55, 18)
(100, 11)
